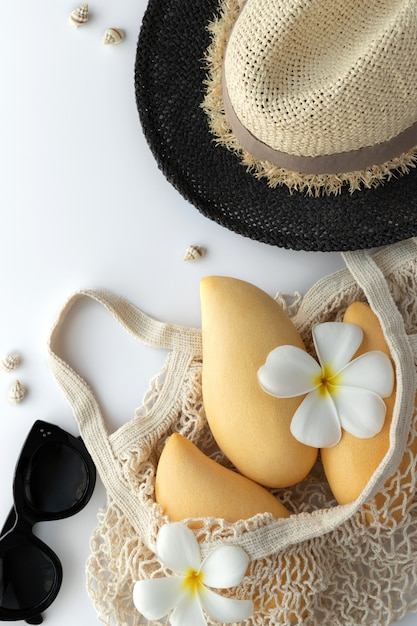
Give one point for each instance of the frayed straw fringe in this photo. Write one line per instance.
(311, 184)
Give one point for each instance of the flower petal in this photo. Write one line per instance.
(177, 548)
(224, 567)
(315, 422)
(225, 610)
(288, 372)
(188, 613)
(372, 370)
(156, 597)
(336, 343)
(361, 411)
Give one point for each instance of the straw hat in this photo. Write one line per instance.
(293, 123)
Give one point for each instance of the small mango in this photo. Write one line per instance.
(190, 485)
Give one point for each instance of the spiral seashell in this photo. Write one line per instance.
(79, 16)
(193, 253)
(16, 392)
(113, 36)
(10, 362)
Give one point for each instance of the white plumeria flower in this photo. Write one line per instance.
(187, 593)
(341, 393)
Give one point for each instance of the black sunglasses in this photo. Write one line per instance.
(54, 479)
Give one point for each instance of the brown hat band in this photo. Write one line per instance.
(351, 161)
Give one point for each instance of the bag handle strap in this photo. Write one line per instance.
(185, 344)
(140, 325)
(368, 275)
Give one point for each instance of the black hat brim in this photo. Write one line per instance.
(169, 87)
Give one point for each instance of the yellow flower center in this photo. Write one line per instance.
(326, 381)
(193, 581)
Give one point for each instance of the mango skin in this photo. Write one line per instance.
(190, 484)
(350, 464)
(241, 324)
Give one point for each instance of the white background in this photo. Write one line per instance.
(83, 205)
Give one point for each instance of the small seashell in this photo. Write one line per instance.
(193, 253)
(79, 16)
(10, 362)
(113, 36)
(16, 392)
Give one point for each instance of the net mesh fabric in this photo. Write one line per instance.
(362, 572)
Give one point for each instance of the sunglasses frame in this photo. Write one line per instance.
(18, 527)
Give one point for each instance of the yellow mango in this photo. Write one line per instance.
(190, 484)
(241, 324)
(350, 464)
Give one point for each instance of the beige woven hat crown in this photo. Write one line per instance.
(316, 93)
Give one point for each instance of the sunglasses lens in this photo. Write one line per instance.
(56, 479)
(28, 576)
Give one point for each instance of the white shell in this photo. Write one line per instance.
(10, 362)
(16, 392)
(113, 36)
(79, 16)
(193, 253)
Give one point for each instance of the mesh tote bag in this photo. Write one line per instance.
(332, 564)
